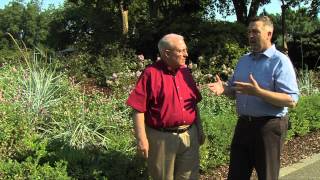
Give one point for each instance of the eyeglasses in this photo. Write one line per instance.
(179, 50)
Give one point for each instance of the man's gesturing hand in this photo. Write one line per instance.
(251, 88)
(216, 87)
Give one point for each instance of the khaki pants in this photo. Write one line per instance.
(173, 156)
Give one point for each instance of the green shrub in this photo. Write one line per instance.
(22, 150)
(14, 130)
(306, 116)
(8, 56)
(117, 71)
(219, 119)
(12, 169)
(222, 63)
(226, 56)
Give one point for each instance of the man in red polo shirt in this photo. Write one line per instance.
(166, 118)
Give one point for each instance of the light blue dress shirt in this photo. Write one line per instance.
(273, 71)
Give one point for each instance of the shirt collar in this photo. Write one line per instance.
(268, 52)
(167, 69)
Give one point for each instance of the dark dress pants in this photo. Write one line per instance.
(257, 144)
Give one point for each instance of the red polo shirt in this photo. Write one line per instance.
(166, 99)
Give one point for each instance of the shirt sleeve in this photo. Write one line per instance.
(138, 97)
(285, 79)
(194, 85)
(198, 94)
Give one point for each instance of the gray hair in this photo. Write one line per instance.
(166, 41)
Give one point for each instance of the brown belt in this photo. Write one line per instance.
(173, 130)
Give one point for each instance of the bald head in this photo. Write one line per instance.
(173, 50)
(168, 41)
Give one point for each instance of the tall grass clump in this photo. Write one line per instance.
(36, 85)
(76, 122)
(307, 82)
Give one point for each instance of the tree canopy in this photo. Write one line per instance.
(102, 26)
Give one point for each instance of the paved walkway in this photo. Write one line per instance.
(306, 169)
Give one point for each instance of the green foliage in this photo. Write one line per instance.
(213, 36)
(14, 129)
(118, 71)
(81, 129)
(25, 22)
(219, 119)
(11, 169)
(305, 117)
(303, 37)
(8, 56)
(79, 125)
(39, 88)
(299, 22)
(77, 25)
(223, 63)
(34, 85)
(22, 149)
(11, 18)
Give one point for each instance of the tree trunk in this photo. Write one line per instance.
(154, 8)
(125, 20)
(243, 15)
(253, 10)
(284, 28)
(241, 11)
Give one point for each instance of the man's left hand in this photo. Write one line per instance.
(251, 88)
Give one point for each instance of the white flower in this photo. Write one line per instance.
(224, 66)
(114, 76)
(14, 69)
(141, 57)
(109, 82)
(138, 73)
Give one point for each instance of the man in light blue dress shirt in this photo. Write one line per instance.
(264, 86)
